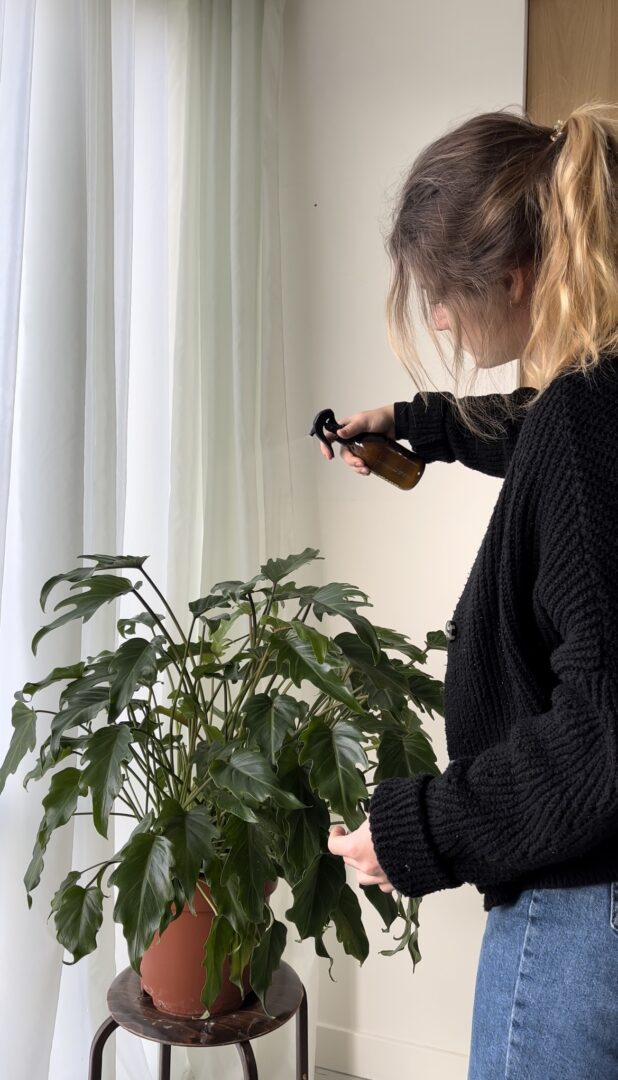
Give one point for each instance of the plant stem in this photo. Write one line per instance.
(207, 898)
(165, 603)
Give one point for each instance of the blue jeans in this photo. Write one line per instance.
(546, 995)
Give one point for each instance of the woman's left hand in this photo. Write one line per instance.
(357, 850)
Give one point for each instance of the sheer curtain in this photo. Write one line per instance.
(143, 402)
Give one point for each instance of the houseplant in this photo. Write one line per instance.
(231, 741)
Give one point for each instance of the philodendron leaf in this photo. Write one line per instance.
(96, 590)
(383, 903)
(267, 957)
(384, 677)
(268, 720)
(224, 800)
(127, 626)
(59, 674)
(116, 562)
(276, 569)
(191, 834)
(305, 834)
(78, 914)
(144, 881)
(404, 753)
(219, 944)
(248, 859)
(335, 750)
(426, 691)
(248, 773)
(436, 639)
(59, 804)
(299, 660)
(84, 706)
(241, 957)
(107, 750)
(227, 901)
(319, 642)
(317, 894)
(23, 739)
(135, 662)
(348, 921)
(390, 639)
(339, 598)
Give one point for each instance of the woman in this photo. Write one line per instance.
(507, 233)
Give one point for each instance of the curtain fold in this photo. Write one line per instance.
(143, 403)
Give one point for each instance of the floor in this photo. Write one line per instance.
(328, 1074)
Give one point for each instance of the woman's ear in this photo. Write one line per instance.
(517, 283)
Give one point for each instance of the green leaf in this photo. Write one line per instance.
(219, 944)
(266, 958)
(135, 663)
(276, 569)
(426, 691)
(85, 705)
(268, 720)
(227, 900)
(191, 834)
(383, 902)
(317, 894)
(404, 753)
(78, 917)
(23, 739)
(436, 639)
(390, 639)
(224, 800)
(65, 789)
(382, 676)
(348, 921)
(59, 804)
(127, 626)
(250, 861)
(59, 674)
(319, 642)
(305, 834)
(247, 773)
(96, 591)
(107, 750)
(144, 881)
(298, 661)
(334, 751)
(46, 761)
(116, 562)
(240, 959)
(337, 598)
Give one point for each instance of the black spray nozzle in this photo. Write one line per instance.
(326, 419)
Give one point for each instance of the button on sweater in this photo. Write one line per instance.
(529, 797)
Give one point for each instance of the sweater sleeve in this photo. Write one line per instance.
(549, 791)
(435, 430)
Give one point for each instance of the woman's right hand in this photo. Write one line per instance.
(380, 420)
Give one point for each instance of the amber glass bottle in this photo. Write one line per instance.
(384, 456)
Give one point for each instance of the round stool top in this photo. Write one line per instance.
(132, 1008)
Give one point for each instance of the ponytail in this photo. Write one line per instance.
(574, 306)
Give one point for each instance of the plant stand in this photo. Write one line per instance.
(132, 1009)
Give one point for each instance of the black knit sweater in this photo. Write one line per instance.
(530, 794)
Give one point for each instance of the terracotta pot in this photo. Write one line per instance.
(171, 967)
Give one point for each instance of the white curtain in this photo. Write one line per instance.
(142, 405)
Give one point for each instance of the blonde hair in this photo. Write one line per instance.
(500, 192)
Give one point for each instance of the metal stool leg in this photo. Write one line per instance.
(165, 1061)
(249, 1068)
(96, 1050)
(302, 1040)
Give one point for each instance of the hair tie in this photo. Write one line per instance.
(557, 130)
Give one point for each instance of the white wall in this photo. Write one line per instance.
(365, 87)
